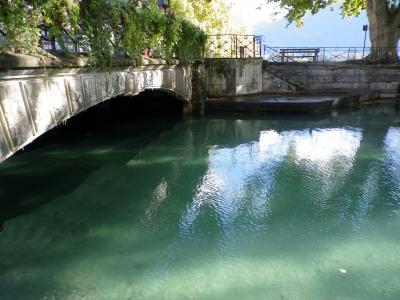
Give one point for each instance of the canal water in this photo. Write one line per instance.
(223, 207)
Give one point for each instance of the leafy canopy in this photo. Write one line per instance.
(210, 15)
(297, 9)
(102, 28)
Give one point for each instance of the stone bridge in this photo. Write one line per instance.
(32, 101)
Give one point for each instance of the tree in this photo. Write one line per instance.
(383, 17)
(101, 28)
(210, 15)
(19, 20)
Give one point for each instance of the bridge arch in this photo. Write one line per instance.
(35, 101)
(173, 93)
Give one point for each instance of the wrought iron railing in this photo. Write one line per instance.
(234, 46)
(323, 54)
(51, 43)
(73, 43)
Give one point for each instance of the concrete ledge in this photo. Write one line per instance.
(15, 61)
(283, 103)
(43, 72)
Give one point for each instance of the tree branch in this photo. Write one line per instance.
(3, 33)
(69, 35)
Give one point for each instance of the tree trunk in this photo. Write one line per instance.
(384, 31)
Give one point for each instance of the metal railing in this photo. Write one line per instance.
(72, 43)
(67, 41)
(324, 54)
(234, 46)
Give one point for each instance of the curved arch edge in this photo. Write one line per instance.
(31, 105)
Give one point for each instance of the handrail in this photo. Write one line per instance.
(277, 52)
(327, 54)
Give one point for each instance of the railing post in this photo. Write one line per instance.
(254, 46)
(53, 43)
(236, 45)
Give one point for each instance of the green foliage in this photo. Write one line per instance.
(297, 9)
(16, 18)
(192, 42)
(172, 35)
(352, 7)
(103, 28)
(210, 15)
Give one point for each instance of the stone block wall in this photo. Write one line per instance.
(381, 79)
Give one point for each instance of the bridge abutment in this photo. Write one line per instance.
(228, 77)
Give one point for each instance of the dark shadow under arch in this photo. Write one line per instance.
(162, 102)
(129, 122)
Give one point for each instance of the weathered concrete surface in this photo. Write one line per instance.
(13, 61)
(199, 87)
(231, 77)
(33, 101)
(283, 103)
(382, 80)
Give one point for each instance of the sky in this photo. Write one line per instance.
(325, 29)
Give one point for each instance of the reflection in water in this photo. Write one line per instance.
(392, 160)
(369, 192)
(159, 195)
(327, 157)
(222, 209)
(237, 181)
(324, 146)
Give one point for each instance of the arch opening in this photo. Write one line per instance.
(111, 132)
(152, 102)
(111, 114)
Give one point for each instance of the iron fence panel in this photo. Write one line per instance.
(234, 46)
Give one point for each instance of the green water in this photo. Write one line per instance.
(225, 207)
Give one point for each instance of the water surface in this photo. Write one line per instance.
(225, 207)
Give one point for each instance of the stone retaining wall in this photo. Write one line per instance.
(231, 77)
(380, 79)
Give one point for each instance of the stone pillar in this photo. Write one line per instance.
(199, 87)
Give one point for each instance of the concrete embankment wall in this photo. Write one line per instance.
(32, 101)
(233, 77)
(382, 80)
